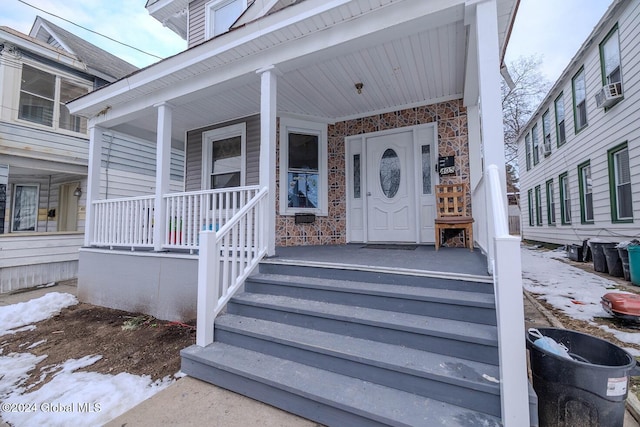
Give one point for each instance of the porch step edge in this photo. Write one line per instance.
(443, 328)
(392, 357)
(369, 401)
(420, 293)
(378, 269)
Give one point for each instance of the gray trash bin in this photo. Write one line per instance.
(588, 390)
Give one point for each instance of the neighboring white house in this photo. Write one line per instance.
(44, 151)
(579, 156)
(304, 123)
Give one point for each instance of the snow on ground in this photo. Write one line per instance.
(70, 398)
(575, 292)
(24, 313)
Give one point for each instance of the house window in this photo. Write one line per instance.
(536, 144)
(538, 206)
(579, 100)
(531, 210)
(620, 184)
(42, 99)
(586, 193)
(527, 143)
(565, 199)
(303, 167)
(610, 58)
(551, 203)
(221, 14)
(24, 215)
(546, 131)
(224, 157)
(561, 135)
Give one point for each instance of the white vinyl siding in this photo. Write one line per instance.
(606, 131)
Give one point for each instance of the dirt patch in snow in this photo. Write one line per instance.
(128, 342)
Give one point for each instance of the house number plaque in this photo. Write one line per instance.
(446, 165)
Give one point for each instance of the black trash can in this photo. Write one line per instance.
(599, 260)
(589, 390)
(614, 263)
(624, 258)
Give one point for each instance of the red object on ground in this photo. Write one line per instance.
(623, 306)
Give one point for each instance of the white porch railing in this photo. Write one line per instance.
(226, 258)
(507, 279)
(126, 222)
(129, 222)
(190, 213)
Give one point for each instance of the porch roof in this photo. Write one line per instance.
(405, 53)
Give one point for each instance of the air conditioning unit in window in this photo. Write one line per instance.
(609, 95)
(546, 149)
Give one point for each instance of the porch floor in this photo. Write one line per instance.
(420, 258)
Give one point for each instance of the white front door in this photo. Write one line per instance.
(390, 188)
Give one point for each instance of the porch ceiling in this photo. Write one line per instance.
(404, 63)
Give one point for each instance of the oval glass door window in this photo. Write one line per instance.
(390, 173)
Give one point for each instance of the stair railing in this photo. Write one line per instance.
(226, 258)
(507, 281)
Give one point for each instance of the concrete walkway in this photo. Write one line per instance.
(190, 402)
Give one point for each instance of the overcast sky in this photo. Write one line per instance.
(554, 29)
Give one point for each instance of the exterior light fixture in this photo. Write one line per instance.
(78, 192)
(359, 87)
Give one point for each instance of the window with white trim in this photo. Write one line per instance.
(24, 216)
(303, 167)
(221, 14)
(224, 157)
(42, 99)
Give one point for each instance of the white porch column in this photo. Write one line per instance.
(268, 110)
(163, 173)
(508, 273)
(93, 180)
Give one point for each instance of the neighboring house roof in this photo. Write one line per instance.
(98, 61)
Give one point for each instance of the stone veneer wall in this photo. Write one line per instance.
(332, 229)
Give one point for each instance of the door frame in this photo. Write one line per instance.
(357, 209)
(67, 202)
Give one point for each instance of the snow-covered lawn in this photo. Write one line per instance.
(70, 398)
(575, 292)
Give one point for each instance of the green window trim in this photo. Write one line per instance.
(546, 133)
(603, 71)
(527, 143)
(561, 130)
(580, 75)
(538, 206)
(535, 144)
(530, 200)
(551, 203)
(583, 194)
(612, 184)
(565, 214)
